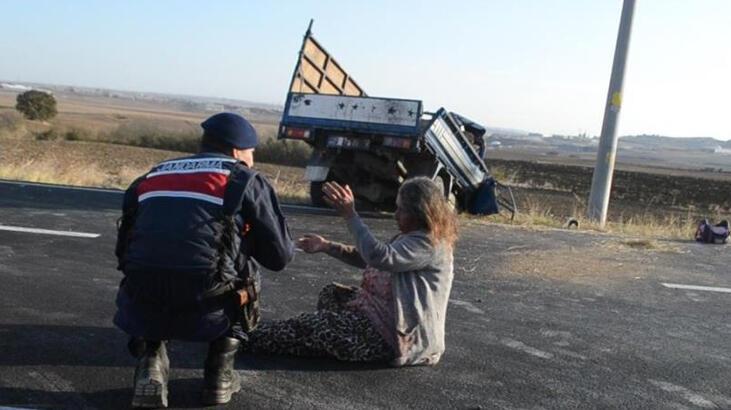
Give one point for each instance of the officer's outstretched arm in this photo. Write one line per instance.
(269, 240)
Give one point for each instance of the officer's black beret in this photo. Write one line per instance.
(231, 129)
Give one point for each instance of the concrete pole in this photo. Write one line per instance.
(601, 184)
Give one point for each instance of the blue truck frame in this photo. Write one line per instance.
(375, 150)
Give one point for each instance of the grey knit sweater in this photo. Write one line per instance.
(421, 276)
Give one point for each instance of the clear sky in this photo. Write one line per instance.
(539, 65)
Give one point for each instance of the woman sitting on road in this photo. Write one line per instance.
(398, 312)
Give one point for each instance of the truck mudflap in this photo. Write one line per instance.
(318, 166)
(316, 173)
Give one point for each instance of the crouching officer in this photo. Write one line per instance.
(191, 234)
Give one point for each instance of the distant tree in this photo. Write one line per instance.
(36, 105)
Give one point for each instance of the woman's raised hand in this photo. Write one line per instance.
(312, 243)
(339, 197)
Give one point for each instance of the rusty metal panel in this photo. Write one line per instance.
(317, 72)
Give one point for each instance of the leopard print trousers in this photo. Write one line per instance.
(333, 330)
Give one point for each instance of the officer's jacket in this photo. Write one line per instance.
(170, 250)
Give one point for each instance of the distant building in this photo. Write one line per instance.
(214, 107)
(15, 87)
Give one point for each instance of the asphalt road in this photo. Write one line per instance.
(537, 319)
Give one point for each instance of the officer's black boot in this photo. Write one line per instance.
(221, 380)
(151, 377)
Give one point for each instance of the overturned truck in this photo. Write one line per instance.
(373, 144)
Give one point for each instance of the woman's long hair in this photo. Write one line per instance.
(421, 198)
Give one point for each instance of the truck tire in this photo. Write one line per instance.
(316, 194)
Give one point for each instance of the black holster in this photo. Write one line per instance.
(228, 296)
(250, 311)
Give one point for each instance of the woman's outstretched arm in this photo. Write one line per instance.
(312, 243)
(346, 253)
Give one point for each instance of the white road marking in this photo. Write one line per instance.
(687, 394)
(570, 353)
(467, 305)
(49, 232)
(694, 287)
(15, 408)
(518, 345)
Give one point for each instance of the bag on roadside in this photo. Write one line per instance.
(708, 233)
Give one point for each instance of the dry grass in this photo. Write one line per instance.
(93, 176)
(651, 226)
(148, 133)
(146, 124)
(291, 191)
(76, 163)
(531, 214)
(646, 226)
(53, 172)
(153, 125)
(67, 163)
(643, 232)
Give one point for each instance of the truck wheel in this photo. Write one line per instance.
(316, 194)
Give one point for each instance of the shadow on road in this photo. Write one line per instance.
(39, 345)
(28, 349)
(184, 394)
(50, 345)
(302, 364)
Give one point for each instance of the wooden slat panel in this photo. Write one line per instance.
(310, 73)
(352, 89)
(315, 53)
(317, 72)
(299, 86)
(328, 87)
(335, 73)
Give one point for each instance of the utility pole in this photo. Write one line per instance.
(601, 184)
